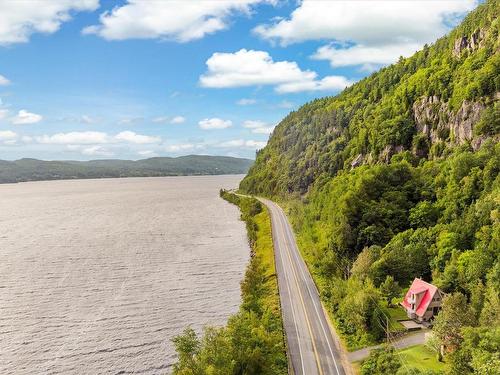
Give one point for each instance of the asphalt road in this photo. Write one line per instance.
(312, 348)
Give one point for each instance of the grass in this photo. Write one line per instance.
(421, 357)
(263, 249)
(395, 314)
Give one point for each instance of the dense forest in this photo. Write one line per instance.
(253, 341)
(35, 170)
(397, 177)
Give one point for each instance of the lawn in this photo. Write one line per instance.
(396, 313)
(421, 357)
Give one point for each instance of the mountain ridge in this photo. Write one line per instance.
(395, 178)
(455, 80)
(29, 169)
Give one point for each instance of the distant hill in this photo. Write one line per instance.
(35, 170)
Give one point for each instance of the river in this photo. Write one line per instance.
(97, 276)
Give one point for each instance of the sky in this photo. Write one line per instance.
(132, 79)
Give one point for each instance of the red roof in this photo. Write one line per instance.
(420, 286)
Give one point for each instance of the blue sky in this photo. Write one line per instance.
(88, 79)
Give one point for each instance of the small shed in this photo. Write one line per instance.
(422, 301)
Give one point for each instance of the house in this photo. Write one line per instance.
(422, 301)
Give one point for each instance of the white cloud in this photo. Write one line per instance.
(369, 57)
(214, 123)
(255, 144)
(131, 137)
(3, 113)
(252, 124)
(329, 83)
(96, 138)
(263, 130)
(24, 117)
(246, 101)
(146, 153)
(74, 138)
(4, 81)
(181, 20)
(258, 127)
(237, 143)
(160, 119)
(8, 137)
(184, 147)
(130, 120)
(96, 151)
(178, 120)
(21, 18)
(87, 120)
(366, 33)
(249, 67)
(174, 120)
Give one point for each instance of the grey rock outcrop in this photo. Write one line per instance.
(434, 119)
(470, 43)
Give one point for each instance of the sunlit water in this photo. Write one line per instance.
(97, 276)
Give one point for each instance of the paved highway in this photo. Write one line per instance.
(312, 348)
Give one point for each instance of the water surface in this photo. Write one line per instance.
(97, 276)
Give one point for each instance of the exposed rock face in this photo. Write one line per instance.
(434, 119)
(470, 43)
(389, 150)
(357, 161)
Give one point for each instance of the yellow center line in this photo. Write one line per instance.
(300, 295)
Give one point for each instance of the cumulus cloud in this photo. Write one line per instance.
(249, 67)
(147, 153)
(96, 151)
(252, 124)
(329, 83)
(130, 120)
(178, 120)
(214, 123)
(369, 57)
(131, 137)
(8, 137)
(245, 101)
(96, 138)
(237, 143)
(180, 20)
(174, 120)
(160, 119)
(74, 138)
(3, 113)
(4, 81)
(364, 33)
(20, 19)
(87, 120)
(184, 147)
(258, 127)
(24, 117)
(264, 130)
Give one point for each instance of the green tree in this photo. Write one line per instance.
(454, 315)
(390, 289)
(381, 362)
(187, 346)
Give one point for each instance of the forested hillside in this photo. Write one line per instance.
(35, 170)
(397, 177)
